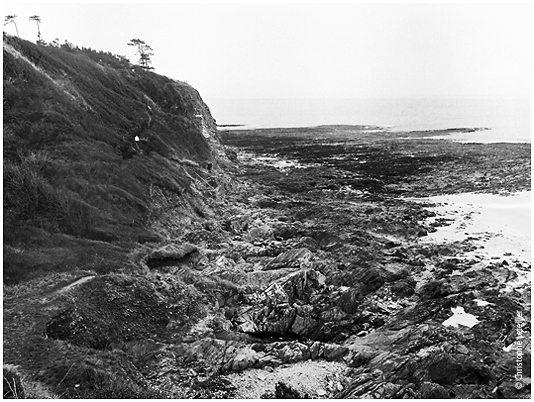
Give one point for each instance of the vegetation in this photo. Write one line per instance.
(37, 20)
(145, 53)
(71, 165)
(84, 201)
(10, 19)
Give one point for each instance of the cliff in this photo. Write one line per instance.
(99, 156)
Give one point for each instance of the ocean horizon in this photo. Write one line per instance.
(506, 120)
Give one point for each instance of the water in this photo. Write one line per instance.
(509, 120)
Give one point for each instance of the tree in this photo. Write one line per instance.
(37, 19)
(11, 19)
(144, 51)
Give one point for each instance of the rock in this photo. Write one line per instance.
(237, 224)
(328, 241)
(404, 288)
(283, 391)
(429, 390)
(316, 350)
(303, 323)
(303, 284)
(308, 242)
(259, 233)
(394, 271)
(334, 352)
(285, 232)
(434, 289)
(294, 352)
(444, 369)
(171, 254)
(222, 262)
(296, 258)
(350, 300)
(246, 358)
(368, 279)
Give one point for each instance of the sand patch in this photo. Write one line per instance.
(318, 379)
(498, 225)
(501, 224)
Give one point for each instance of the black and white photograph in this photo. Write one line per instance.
(267, 200)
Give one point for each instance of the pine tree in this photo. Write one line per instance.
(11, 19)
(37, 19)
(144, 51)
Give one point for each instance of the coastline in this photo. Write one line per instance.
(453, 221)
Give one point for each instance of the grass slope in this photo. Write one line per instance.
(79, 192)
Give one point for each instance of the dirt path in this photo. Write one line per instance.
(65, 289)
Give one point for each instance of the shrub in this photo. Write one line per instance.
(28, 197)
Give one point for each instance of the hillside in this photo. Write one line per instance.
(84, 200)
(79, 191)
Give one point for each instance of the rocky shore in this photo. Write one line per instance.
(314, 279)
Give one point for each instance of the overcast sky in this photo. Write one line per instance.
(309, 50)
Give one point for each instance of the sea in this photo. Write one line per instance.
(504, 120)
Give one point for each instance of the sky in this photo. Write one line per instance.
(318, 50)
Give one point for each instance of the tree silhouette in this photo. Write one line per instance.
(144, 51)
(37, 19)
(11, 19)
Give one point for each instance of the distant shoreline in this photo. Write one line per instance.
(482, 135)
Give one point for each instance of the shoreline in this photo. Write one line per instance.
(460, 231)
(464, 135)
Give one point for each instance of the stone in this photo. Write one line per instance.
(296, 258)
(334, 352)
(245, 358)
(350, 300)
(429, 390)
(403, 288)
(259, 233)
